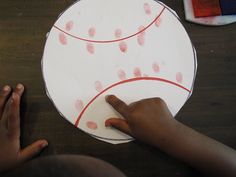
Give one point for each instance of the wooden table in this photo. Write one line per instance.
(211, 109)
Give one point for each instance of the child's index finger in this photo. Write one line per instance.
(118, 105)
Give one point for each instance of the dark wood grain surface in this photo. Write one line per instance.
(211, 109)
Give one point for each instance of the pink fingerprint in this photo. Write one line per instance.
(79, 105)
(179, 77)
(118, 33)
(92, 125)
(92, 32)
(156, 67)
(122, 74)
(137, 72)
(141, 39)
(90, 48)
(123, 47)
(69, 25)
(141, 28)
(62, 39)
(147, 8)
(98, 86)
(158, 22)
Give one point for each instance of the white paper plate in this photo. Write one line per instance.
(134, 49)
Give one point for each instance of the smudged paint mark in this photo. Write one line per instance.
(69, 25)
(147, 8)
(90, 48)
(62, 39)
(137, 72)
(158, 22)
(179, 77)
(98, 86)
(141, 36)
(79, 105)
(141, 40)
(156, 67)
(92, 32)
(121, 74)
(141, 28)
(92, 125)
(118, 33)
(123, 47)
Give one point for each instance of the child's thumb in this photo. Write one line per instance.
(119, 124)
(32, 150)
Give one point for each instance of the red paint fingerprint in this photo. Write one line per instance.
(122, 74)
(141, 39)
(179, 77)
(98, 86)
(62, 39)
(123, 47)
(92, 125)
(69, 25)
(92, 32)
(158, 22)
(141, 28)
(156, 67)
(147, 8)
(90, 48)
(110, 41)
(79, 105)
(118, 33)
(137, 72)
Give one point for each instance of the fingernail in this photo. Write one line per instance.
(20, 86)
(107, 124)
(43, 145)
(6, 88)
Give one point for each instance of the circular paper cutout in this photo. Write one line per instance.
(134, 49)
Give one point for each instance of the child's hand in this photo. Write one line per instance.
(148, 120)
(11, 153)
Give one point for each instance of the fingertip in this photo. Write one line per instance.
(20, 88)
(6, 88)
(43, 144)
(32, 150)
(5, 91)
(119, 124)
(107, 123)
(108, 98)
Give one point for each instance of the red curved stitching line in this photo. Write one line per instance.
(117, 40)
(126, 81)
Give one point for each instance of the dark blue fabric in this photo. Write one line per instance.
(228, 7)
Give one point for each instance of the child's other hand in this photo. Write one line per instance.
(11, 153)
(148, 120)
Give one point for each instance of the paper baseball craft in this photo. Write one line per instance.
(134, 49)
